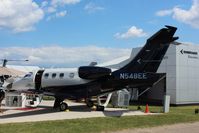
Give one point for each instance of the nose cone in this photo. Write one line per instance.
(20, 84)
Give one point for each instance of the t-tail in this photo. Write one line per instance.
(151, 55)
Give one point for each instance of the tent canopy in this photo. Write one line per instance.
(10, 71)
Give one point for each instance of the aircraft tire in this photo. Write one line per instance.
(89, 103)
(63, 106)
(100, 108)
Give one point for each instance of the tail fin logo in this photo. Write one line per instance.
(139, 61)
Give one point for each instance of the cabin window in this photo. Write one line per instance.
(71, 75)
(61, 75)
(46, 75)
(53, 75)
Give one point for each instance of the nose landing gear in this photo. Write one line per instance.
(63, 106)
(89, 103)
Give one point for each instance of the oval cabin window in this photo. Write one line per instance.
(53, 75)
(61, 75)
(71, 75)
(46, 75)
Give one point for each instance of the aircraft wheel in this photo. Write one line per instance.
(89, 103)
(100, 108)
(63, 106)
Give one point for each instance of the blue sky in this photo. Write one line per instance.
(35, 25)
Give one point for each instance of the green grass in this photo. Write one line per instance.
(176, 115)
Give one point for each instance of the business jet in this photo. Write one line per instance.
(92, 80)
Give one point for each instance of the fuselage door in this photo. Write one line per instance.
(38, 77)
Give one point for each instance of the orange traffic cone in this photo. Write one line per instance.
(147, 109)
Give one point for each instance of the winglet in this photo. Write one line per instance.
(164, 35)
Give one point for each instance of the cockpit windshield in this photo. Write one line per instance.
(28, 75)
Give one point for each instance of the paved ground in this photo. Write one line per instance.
(176, 128)
(45, 112)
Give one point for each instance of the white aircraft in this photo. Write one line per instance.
(88, 81)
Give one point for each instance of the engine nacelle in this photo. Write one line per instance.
(93, 72)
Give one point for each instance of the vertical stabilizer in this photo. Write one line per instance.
(149, 57)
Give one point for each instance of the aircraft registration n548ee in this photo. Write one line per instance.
(88, 81)
(133, 76)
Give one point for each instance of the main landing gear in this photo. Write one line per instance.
(60, 104)
(91, 104)
(100, 101)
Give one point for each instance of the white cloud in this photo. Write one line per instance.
(44, 4)
(51, 9)
(23, 15)
(19, 15)
(57, 15)
(190, 16)
(61, 14)
(56, 3)
(162, 13)
(131, 33)
(91, 7)
(62, 56)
